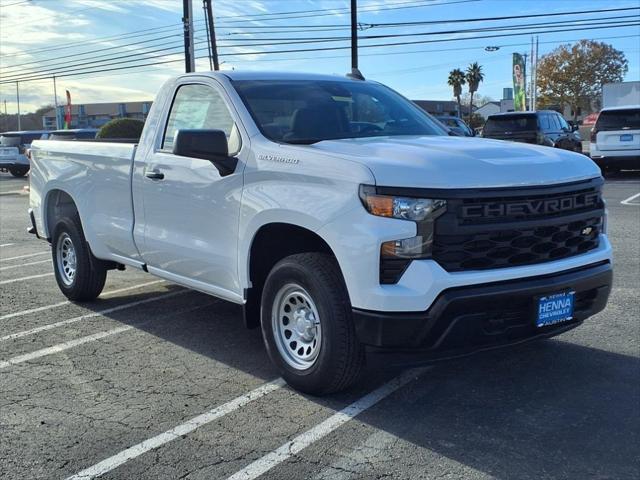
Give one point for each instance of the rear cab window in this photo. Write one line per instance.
(502, 124)
(622, 119)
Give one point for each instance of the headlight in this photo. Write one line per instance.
(404, 208)
(423, 211)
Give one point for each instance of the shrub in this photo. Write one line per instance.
(121, 128)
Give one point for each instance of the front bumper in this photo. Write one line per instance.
(480, 317)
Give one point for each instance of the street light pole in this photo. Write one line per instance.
(18, 101)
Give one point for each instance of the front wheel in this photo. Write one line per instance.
(307, 326)
(19, 171)
(79, 274)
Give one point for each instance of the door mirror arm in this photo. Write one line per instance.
(206, 144)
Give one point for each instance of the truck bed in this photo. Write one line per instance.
(97, 175)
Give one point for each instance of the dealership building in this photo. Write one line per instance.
(95, 115)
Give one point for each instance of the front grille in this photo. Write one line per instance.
(516, 229)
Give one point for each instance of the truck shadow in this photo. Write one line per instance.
(550, 409)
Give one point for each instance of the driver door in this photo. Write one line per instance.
(191, 212)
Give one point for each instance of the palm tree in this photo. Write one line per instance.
(457, 80)
(474, 77)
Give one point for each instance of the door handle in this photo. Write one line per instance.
(154, 175)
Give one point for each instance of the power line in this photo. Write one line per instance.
(145, 69)
(100, 70)
(95, 40)
(15, 3)
(371, 7)
(57, 66)
(153, 31)
(40, 62)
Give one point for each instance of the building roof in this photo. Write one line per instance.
(109, 108)
(497, 104)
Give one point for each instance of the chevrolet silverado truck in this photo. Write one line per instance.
(340, 215)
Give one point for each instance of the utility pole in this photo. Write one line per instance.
(355, 73)
(525, 55)
(535, 77)
(187, 20)
(18, 99)
(55, 101)
(212, 33)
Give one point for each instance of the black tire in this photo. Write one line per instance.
(90, 273)
(341, 357)
(19, 171)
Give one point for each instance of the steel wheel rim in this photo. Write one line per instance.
(296, 326)
(66, 259)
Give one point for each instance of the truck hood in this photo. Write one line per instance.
(459, 162)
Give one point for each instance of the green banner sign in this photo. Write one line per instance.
(519, 83)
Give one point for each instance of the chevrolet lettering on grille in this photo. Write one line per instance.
(531, 207)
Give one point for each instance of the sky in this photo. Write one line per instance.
(40, 37)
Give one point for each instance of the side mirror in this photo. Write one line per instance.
(575, 128)
(206, 144)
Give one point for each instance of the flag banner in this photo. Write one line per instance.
(519, 83)
(67, 112)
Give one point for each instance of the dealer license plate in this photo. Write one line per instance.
(556, 308)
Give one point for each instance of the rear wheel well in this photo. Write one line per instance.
(59, 205)
(272, 243)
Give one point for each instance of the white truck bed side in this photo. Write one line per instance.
(97, 176)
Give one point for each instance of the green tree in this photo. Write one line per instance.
(121, 128)
(572, 73)
(457, 80)
(474, 76)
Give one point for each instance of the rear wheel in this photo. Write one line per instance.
(307, 325)
(19, 171)
(79, 274)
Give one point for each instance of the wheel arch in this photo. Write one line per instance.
(271, 243)
(58, 204)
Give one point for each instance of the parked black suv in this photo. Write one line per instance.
(544, 127)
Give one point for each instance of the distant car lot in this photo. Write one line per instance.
(82, 383)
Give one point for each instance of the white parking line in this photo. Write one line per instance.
(69, 321)
(166, 437)
(9, 267)
(25, 256)
(21, 279)
(631, 199)
(61, 347)
(7, 244)
(59, 304)
(302, 441)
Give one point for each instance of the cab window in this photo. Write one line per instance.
(563, 123)
(544, 123)
(200, 107)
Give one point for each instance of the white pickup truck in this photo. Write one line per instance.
(340, 215)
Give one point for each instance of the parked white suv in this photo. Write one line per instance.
(615, 139)
(338, 213)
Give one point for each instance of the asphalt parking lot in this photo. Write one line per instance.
(175, 375)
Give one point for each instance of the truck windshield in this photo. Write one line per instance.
(619, 119)
(309, 111)
(510, 124)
